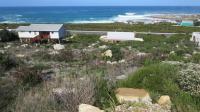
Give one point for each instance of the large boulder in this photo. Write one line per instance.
(164, 100)
(88, 108)
(58, 46)
(124, 95)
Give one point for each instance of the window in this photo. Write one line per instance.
(29, 31)
(52, 32)
(35, 33)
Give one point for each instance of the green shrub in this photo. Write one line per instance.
(116, 52)
(105, 96)
(196, 58)
(8, 93)
(61, 56)
(6, 36)
(28, 76)
(189, 79)
(7, 62)
(161, 79)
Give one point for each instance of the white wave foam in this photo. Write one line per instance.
(124, 18)
(92, 21)
(18, 15)
(8, 21)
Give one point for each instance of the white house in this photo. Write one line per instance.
(120, 36)
(41, 31)
(196, 38)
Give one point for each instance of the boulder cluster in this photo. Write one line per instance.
(134, 100)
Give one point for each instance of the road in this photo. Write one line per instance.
(104, 32)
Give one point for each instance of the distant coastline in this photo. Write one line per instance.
(96, 14)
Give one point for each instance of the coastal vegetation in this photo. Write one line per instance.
(36, 77)
(160, 27)
(6, 36)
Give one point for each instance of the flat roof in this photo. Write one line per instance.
(40, 27)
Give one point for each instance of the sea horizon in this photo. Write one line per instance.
(87, 14)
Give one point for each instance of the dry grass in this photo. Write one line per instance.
(64, 94)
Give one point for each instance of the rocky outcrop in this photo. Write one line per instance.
(58, 47)
(140, 107)
(88, 108)
(132, 95)
(138, 100)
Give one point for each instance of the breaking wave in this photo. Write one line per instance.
(119, 18)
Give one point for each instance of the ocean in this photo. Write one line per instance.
(107, 14)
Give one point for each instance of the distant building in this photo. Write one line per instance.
(120, 36)
(187, 23)
(35, 32)
(196, 38)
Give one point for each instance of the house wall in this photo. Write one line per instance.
(58, 35)
(121, 36)
(54, 35)
(62, 32)
(196, 38)
(28, 34)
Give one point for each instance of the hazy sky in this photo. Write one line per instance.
(99, 2)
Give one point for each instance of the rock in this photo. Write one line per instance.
(37, 50)
(187, 56)
(132, 95)
(24, 45)
(172, 52)
(8, 46)
(72, 37)
(20, 55)
(164, 100)
(121, 77)
(58, 46)
(112, 63)
(108, 62)
(2, 51)
(88, 108)
(103, 47)
(107, 53)
(141, 107)
(121, 61)
(54, 52)
(141, 54)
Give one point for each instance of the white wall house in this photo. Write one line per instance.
(196, 38)
(120, 36)
(51, 31)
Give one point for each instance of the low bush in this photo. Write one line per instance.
(8, 61)
(189, 79)
(196, 58)
(116, 53)
(28, 76)
(8, 93)
(6, 36)
(61, 56)
(105, 96)
(161, 79)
